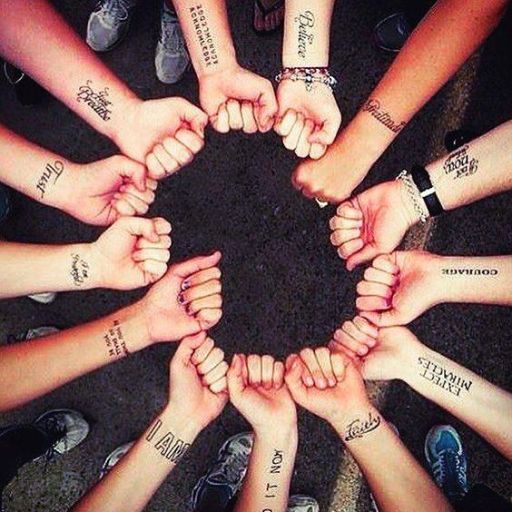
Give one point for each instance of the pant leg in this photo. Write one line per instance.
(482, 499)
(415, 10)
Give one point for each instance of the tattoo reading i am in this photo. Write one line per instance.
(96, 100)
(203, 35)
(79, 270)
(373, 107)
(51, 173)
(115, 342)
(167, 444)
(306, 22)
(440, 376)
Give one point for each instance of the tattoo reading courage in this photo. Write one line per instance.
(167, 444)
(50, 171)
(460, 164)
(79, 270)
(204, 36)
(306, 22)
(359, 427)
(372, 106)
(440, 376)
(96, 100)
(470, 271)
(115, 342)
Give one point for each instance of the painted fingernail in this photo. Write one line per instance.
(181, 299)
(185, 285)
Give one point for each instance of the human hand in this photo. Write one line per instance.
(189, 398)
(237, 99)
(131, 253)
(399, 287)
(185, 301)
(306, 373)
(211, 365)
(256, 389)
(165, 134)
(101, 192)
(308, 121)
(371, 223)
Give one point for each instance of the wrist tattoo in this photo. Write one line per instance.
(443, 378)
(203, 35)
(271, 487)
(97, 100)
(167, 444)
(470, 271)
(357, 428)
(79, 270)
(373, 107)
(305, 21)
(54, 171)
(460, 163)
(115, 342)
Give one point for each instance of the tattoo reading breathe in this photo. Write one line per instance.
(470, 271)
(115, 342)
(305, 21)
(96, 100)
(276, 465)
(372, 106)
(445, 379)
(359, 427)
(79, 270)
(460, 164)
(168, 445)
(50, 171)
(204, 36)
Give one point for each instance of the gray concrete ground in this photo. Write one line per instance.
(284, 286)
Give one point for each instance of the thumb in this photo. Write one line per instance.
(193, 265)
(388, 318)
(367, 253)
(293, 378)
(134, 171)
(267, 107)
(188, 346)
(235, 378)
(327, 133)
(138, 226)
(196, 118)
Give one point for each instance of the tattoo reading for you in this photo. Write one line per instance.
(51, 174)
(96, 100)
(115, 342)
(440, 376)
(204, 36)
(305, 22)
(167, 444)
(359, 427)
(373, 107)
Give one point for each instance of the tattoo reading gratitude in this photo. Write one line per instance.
(305, 37)
(204, 35)
(97, 100)
(359, 427)
(167, 444)
(51, 174)
(440, 376)
(79, 270)
(373, 107)
(115, 342)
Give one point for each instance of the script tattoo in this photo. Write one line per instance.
(440, 376)
(115, 342)
(204, 36)
(97, 100)
(79, 270)
(460, 164)
(276, 465)
(305, 21)
(50, 171)
(167, 444)
(359, 427)
(373, 107)
(470, 271)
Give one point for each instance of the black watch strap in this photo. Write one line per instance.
(422, 180)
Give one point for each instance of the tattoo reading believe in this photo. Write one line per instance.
(167, 444)
(50, 171)
(306, 22)
(372, 106)
(79, 270)
(115, 342)
(359, 427)
(204, 36)
(460, 164)
(97, 100)
(276, 465)
(440, 376)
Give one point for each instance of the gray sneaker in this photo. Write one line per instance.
(43, 298)
(171, 57)
(392, 32)
(300, 503)
(114, 457)
(108, 24)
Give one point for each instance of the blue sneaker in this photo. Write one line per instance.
(5, 203)
(447, 460)
(223, 480)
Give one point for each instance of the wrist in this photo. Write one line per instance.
(409, 205)
(82, 267)
(281, 431)
(124, 119)
(226, 63)
(186, 426)
(134, 320)
(357, 421)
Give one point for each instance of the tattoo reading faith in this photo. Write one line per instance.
(276, 465)
(50, 171)
(460, 164)
(204, 36)
(96, 100)
(115, 342)
(440, 376)
(470, 271)
(79, 270)
(167, 444)
(359, 427)
(305, 21)
(373, 107)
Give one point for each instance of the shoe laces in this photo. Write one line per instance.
(57, 430)
(449, 459)
(115, 10)
(170, 37)
(233, 469)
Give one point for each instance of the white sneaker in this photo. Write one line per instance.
(300, 503)
(43, 298)
(114, 457)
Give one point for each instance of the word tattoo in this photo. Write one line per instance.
(276, 465)
(305, 21)
(460, 164)
(79, 270)
(204, 35)
(97, 101)
(115, 342)
(470, 271)
(440, 376)
(359, 427)
(373, 107)
(168, 444)
(51, 170)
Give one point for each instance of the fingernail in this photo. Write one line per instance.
(321, 383)
(181, 299)
(332, 383)
(309, 381)
(362, 350)
(185, 285)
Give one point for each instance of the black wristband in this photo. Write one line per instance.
(421, 179)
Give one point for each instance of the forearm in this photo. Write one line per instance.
(32, 368)
(205, 26)
(478, 169)
(306, 33)
(36, 38)
(398, 483)
(267, 483)
(484, 407)
(129, 486)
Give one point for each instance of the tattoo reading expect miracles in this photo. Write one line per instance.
(372, 106)
(460, 164)
(50, 171)
(305, 21)
(204, 36)
(115, 342)
(440, 376)
(359, 427)
(167, 444)
(79, 270)
(96, 100)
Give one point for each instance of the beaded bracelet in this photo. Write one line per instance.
(309, 76)
(414, 195)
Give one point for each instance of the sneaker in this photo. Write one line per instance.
(171, 57)
(224, 479)
(300, 503)
(108, 24)
(392, 32)
(447, 460)
(5, 203)
(69, 428)
(43, 298)
(114, 457)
